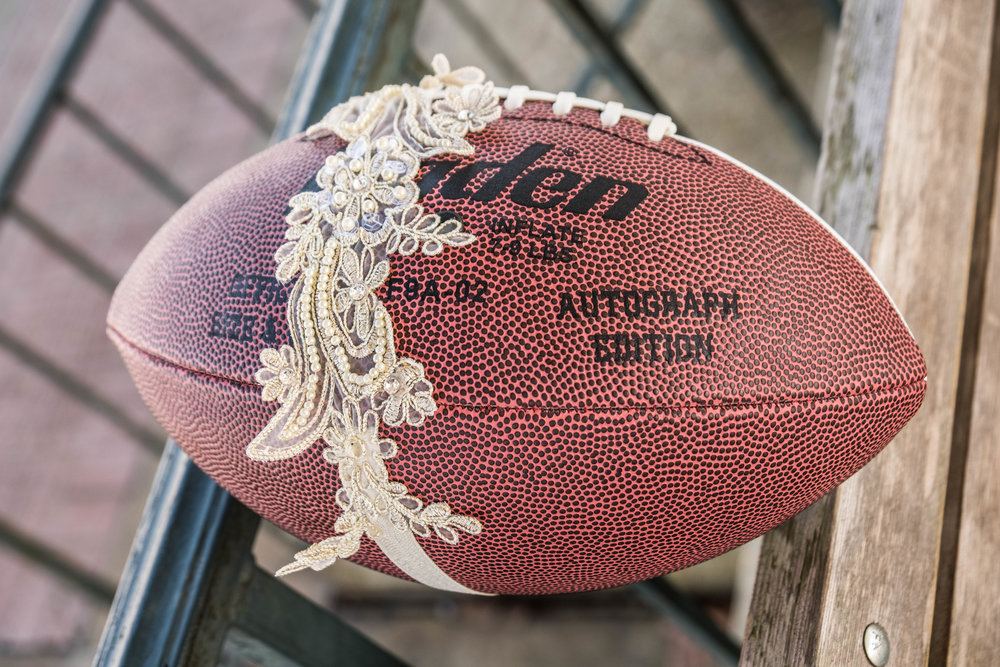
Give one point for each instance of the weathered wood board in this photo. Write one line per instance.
(975, 610)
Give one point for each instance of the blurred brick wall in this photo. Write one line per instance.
(68, 476)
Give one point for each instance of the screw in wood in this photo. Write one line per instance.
(876, 643)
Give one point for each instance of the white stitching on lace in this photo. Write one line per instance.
(342, 376)
(658, 125)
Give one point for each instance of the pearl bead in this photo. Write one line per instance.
(348, 224)
(356, 165)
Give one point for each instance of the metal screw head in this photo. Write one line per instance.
(876, 643)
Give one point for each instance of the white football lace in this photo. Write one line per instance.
(658, 125)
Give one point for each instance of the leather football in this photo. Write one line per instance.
(512, 342)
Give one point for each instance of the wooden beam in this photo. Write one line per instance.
(886, 537)
(974, 623)
(870, 552)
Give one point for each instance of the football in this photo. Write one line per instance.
(510, 342)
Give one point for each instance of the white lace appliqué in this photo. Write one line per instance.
(341, 375)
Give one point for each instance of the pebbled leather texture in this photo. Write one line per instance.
(590, 458)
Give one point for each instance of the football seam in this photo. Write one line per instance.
(555, 408)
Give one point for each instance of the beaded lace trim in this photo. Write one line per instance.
(342, 376)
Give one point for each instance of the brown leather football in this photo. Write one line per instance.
(511, 342)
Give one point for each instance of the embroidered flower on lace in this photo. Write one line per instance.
(366, 182)
(405, 395)
(305, 238)
(445, 77)
(356, 283)
(353, 444)
(341, 375)
(465, 110)
(280, 374)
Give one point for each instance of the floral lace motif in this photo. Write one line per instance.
(341, 375)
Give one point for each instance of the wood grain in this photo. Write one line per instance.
(877, 541)
(885, 547)
(956, 498)
(975, 618)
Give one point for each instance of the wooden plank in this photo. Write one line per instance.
(958, 503)
(782, 627)
(975, 617)
(885, 547)
(870, 553)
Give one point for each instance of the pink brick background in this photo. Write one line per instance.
(68, 476)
